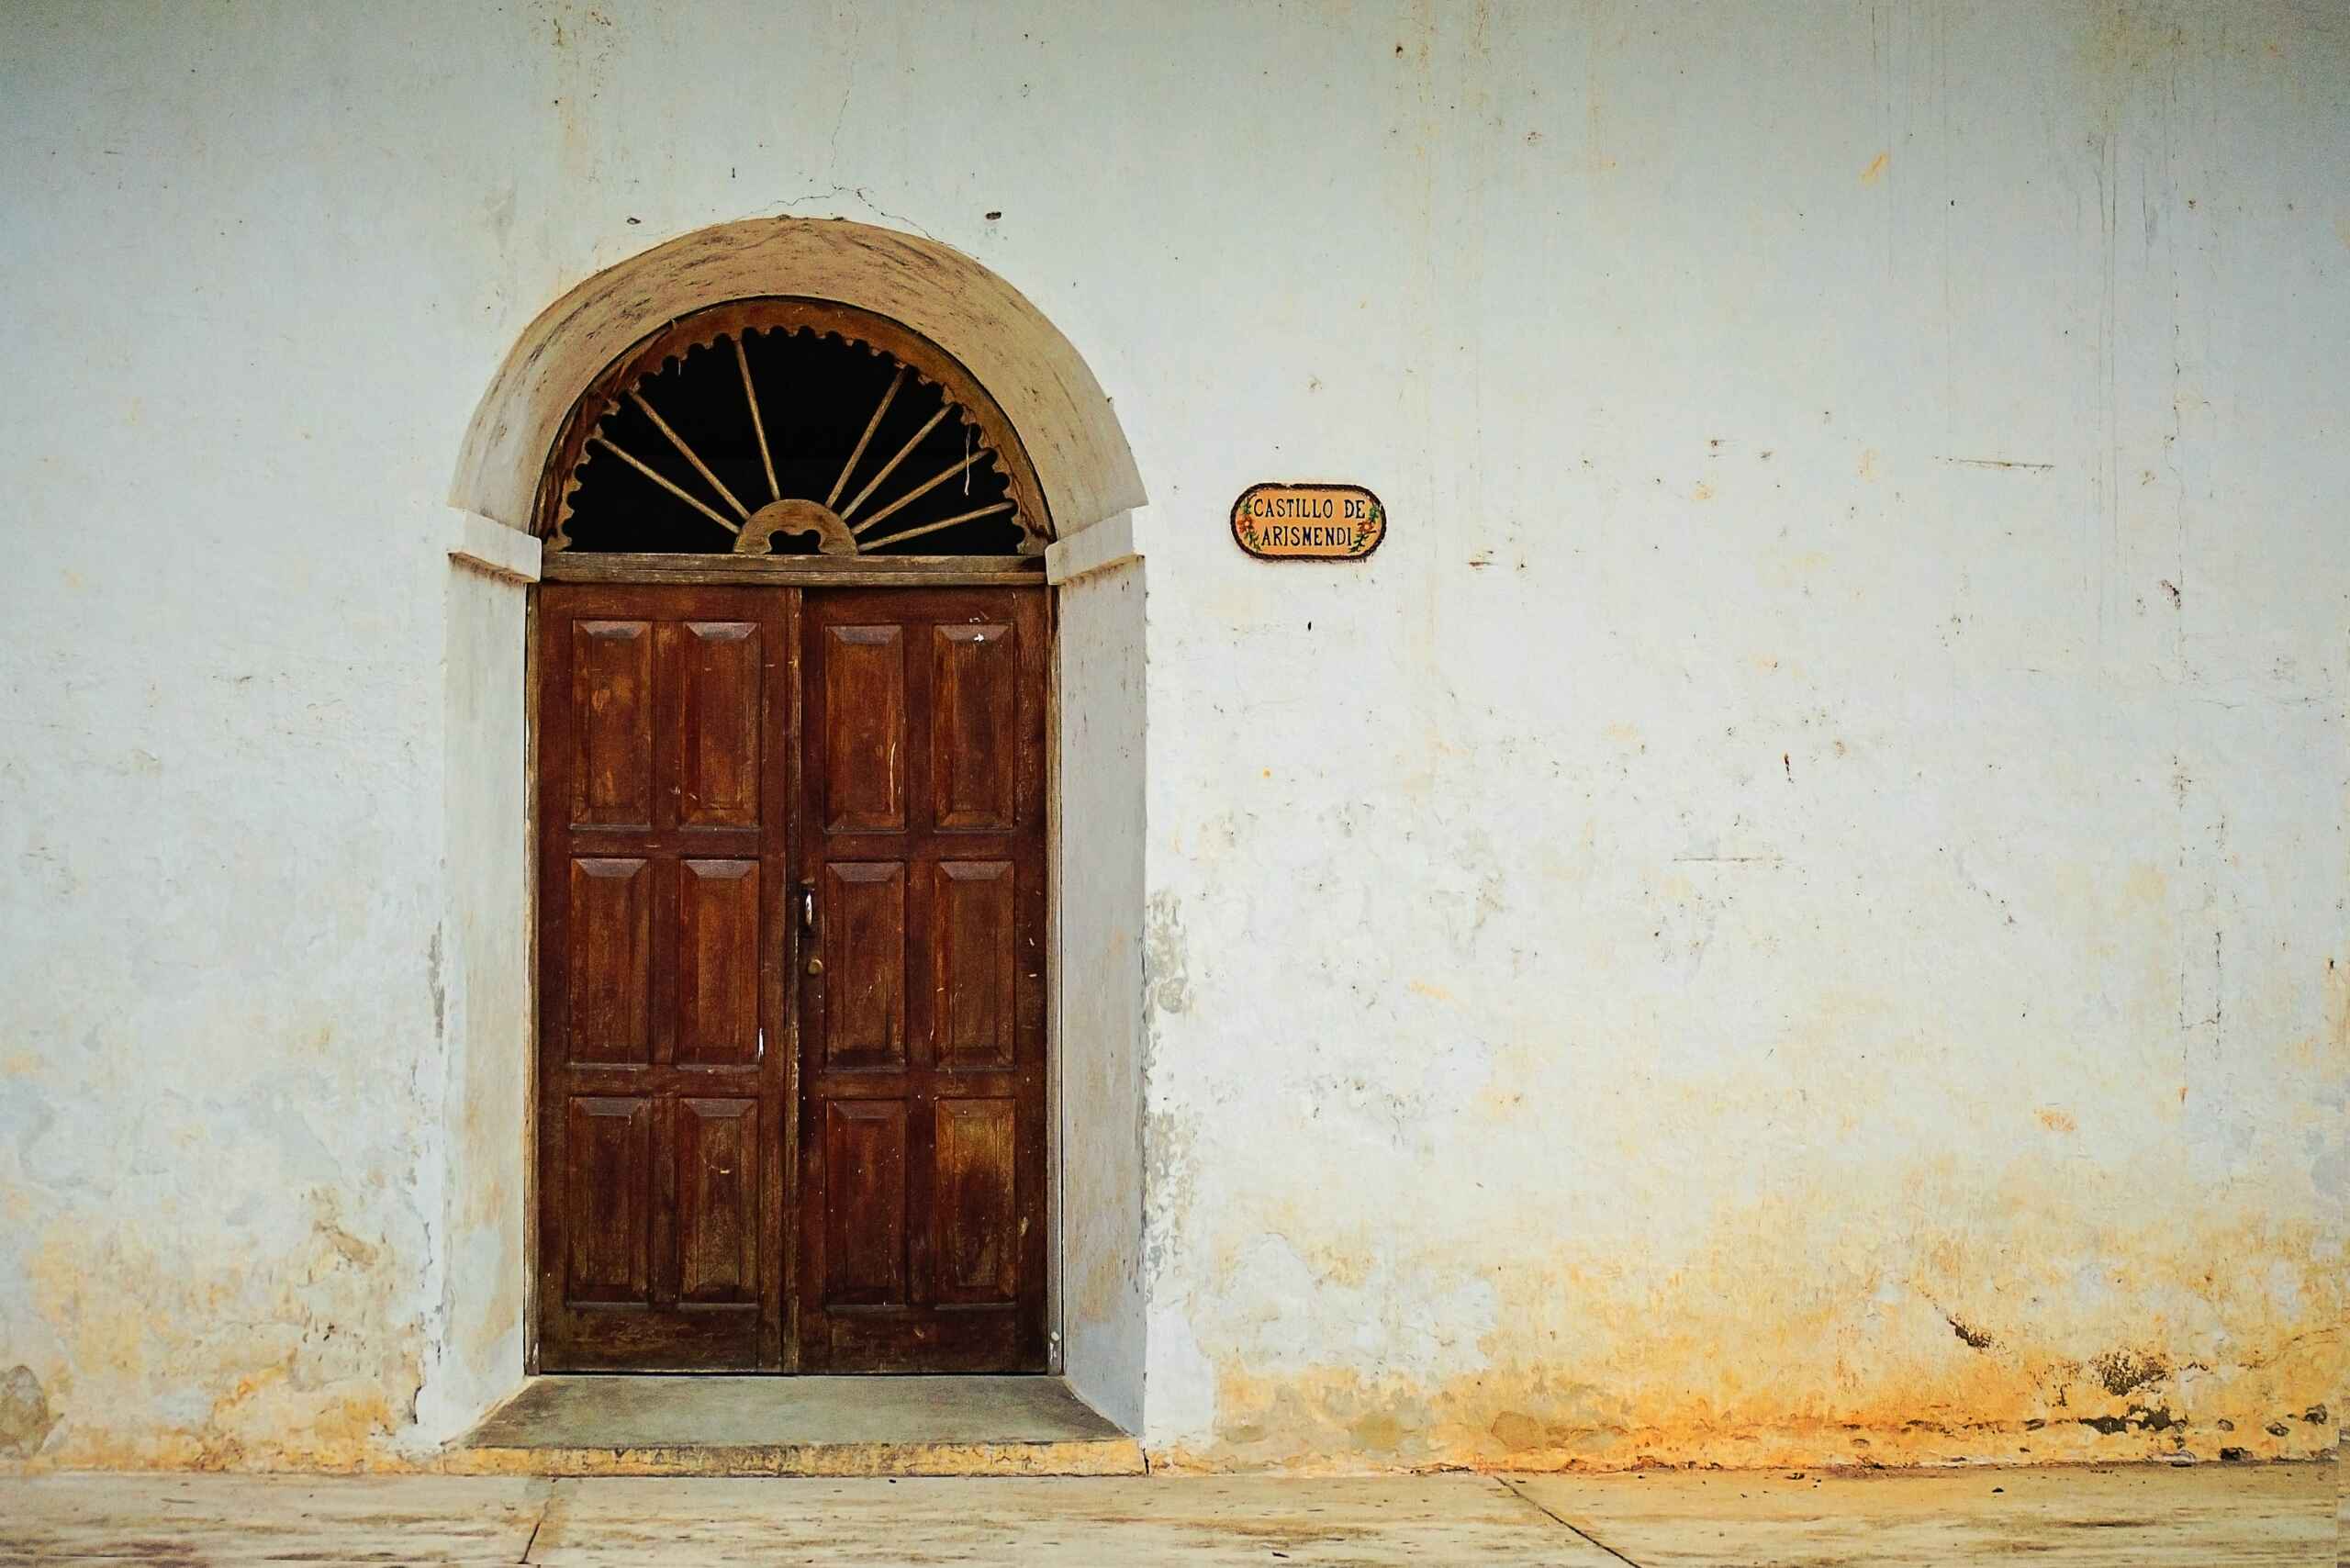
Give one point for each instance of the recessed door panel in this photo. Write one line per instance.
(610, 1155)
(719, 713)
(865, 1169)
(974, 738)
(865, 731)
(718, 963)
(973, 931)
(865, 964)
(665, 759)
(611, 708)
(609, 925)
(718, 1157)
(974, 1212)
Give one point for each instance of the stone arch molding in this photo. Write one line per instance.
(1083, 464)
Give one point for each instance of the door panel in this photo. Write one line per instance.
(718, 963)
(718, 1208)
(865, 750)
(609, 961)
(923, 1202)
(719, 713)
(864, 1002)
(611, 780)
(665, 724)
(864, 1227)
(611, 1170)
(974, 961)
(974, 1209)
(975, 706)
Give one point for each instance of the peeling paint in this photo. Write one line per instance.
(26, 1419)
(1165, 972)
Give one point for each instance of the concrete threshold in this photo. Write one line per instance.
(580, 1424)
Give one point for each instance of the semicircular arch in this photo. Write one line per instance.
(1084, 467)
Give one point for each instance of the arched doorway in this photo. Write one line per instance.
(779, 804)
(999, 378)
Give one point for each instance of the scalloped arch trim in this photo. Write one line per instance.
(1082, 461)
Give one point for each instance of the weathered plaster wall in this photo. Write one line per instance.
(239, 371)
(1794, 910)
(1797, 903)
(1101, 686)
(483, 998)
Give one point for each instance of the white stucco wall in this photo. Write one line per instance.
(479, 1251)
(1100, 688)
(1747, 883)
(1796, 903)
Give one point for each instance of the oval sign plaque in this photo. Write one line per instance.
(1308, 522)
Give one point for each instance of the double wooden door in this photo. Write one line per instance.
(792, 964)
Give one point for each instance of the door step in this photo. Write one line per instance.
(795, 1426)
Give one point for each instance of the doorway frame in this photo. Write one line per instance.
(797, 574)
(485, 956)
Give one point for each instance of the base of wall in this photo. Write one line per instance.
(795, 1425)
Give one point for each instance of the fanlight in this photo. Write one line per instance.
(790, 427)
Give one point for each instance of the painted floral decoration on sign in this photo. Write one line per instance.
(1308, 522)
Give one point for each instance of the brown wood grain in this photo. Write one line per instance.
(719, 713)
(764, 1146)
(802, 571)
(718, 963)
(863, 746)
(864, 1203)
(975, 962)
(664, 1072)
(924, 796)
(974, 742)
(718, 1201)
(611, 707)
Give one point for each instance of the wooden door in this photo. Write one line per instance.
(664, 1066)
(791, 1044)
(922, 878)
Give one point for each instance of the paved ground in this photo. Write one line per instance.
(2059, 1518)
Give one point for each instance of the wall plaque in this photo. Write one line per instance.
(1308, 522)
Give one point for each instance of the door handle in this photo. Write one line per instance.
(808, 924)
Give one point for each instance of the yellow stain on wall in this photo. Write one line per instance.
(1757, 1353)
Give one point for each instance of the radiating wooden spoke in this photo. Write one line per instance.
(935, 527)
(870, 426)
(919, 491)
(759, 426)
(688, 453)
(650, 473)
(887, 468)
(818, 365)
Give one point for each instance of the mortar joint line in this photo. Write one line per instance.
(1562, 1520)
(546, 1511)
